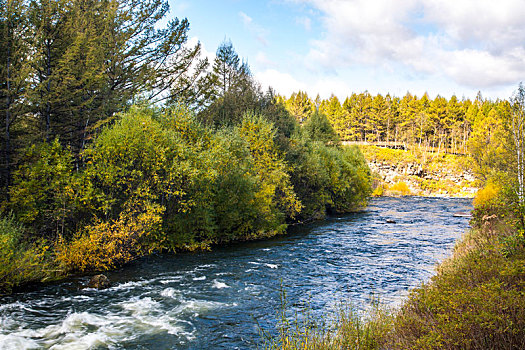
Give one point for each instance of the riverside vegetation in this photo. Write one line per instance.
(160, 180)
(477, 298)
(119, 140)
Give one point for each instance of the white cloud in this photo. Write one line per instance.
(263, 61)
(247, 20)
(306, 22)
(476, 43)
(256, 30)
(283, 83)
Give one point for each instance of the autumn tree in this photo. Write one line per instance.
(517, 130)
(300, 106)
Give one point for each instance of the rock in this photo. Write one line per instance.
(462, 214)
(99, 282)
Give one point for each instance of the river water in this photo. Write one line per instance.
(222, 299)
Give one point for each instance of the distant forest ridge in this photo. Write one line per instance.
(437, 124)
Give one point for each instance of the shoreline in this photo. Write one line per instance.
(35, 285)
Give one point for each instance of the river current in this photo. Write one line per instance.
(223, 298)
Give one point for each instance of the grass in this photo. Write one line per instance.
(347, 329)
(475, 301)
(452, 163)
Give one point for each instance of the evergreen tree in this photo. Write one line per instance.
(233, 89)
(93, 57)
(14, 68)
(300, 106)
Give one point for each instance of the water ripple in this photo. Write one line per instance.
(213, 299)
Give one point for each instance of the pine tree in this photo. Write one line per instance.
(14, 68)
(92, 58)
(300, 106)
(234, 91)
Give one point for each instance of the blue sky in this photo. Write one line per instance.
(342, 46)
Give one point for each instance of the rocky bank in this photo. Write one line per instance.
(435, 181)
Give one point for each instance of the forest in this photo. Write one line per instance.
(119, 140)
(438, 124)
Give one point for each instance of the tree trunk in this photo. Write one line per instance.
(8, 124)
(48, 90)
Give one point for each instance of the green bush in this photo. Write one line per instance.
(158, 179)
(319, 128)
(20, 262)
(47, 194)
(328, 178)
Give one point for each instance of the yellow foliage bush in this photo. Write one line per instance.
(400, 188)
(378, 191)
(105, 245)
(487, 195)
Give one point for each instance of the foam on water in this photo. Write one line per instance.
(211, 300)
(170, 293)
(219, 285)
(15, 305)
(16, 341)
(171, 280)
(272, 266)
(191, 305)
(85, 330)
(133, 284)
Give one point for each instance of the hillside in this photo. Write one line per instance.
(416, 172)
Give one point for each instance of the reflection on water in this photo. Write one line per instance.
(215, 299)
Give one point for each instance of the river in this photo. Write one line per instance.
(221, 299)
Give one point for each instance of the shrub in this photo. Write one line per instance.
(487, 196)
(275, 197)
(327, 178)
(476, 300)
(399, 188)
(20, 262)
(107, 244)
(378, 191)
(46, 190)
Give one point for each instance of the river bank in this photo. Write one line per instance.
(419, 173)
(216, 299)
(475, 301)
(160, 180)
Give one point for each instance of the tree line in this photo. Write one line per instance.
(490, 133)
(437, 124)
